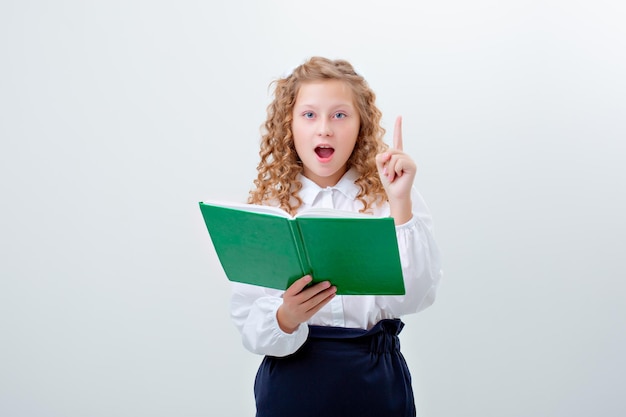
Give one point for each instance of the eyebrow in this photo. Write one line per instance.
(313, 106)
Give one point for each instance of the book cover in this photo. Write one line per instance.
(264, 245)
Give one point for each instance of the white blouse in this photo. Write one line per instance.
(253, 308)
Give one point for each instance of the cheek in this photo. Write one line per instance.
(297, 130)
(353, 134)
(298, 143)
(353, 129)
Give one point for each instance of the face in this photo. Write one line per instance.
(325, 129)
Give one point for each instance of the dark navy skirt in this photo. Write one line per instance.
(338, 372)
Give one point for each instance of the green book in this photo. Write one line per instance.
(265, 246)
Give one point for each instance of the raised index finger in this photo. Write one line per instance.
(397, 134)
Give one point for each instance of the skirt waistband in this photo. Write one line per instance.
(383, 337)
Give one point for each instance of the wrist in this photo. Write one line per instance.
(284, 324)
(401, 210)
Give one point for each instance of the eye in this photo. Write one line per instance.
(340, 115)
(308, 115)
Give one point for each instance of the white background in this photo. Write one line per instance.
(117, 117)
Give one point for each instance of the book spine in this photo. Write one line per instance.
(303, 256)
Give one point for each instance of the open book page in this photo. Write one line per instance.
(255, 208)
(276, 211)
(330, 213)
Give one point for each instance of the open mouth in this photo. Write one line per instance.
(324, 152)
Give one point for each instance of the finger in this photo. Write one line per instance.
(393, 168)
(314, 290)
(382, 158)
(397, 134)
(320, 300)
(381, 163)
(299, 285)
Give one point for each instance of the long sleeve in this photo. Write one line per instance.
(421, 263)
(253, 310)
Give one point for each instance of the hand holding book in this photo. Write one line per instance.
(301, 302)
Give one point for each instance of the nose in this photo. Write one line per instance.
(324, 128)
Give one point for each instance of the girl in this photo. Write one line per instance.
(329, 355)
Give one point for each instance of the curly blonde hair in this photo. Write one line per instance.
(276, 182)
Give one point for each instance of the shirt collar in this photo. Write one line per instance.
(346, 186)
